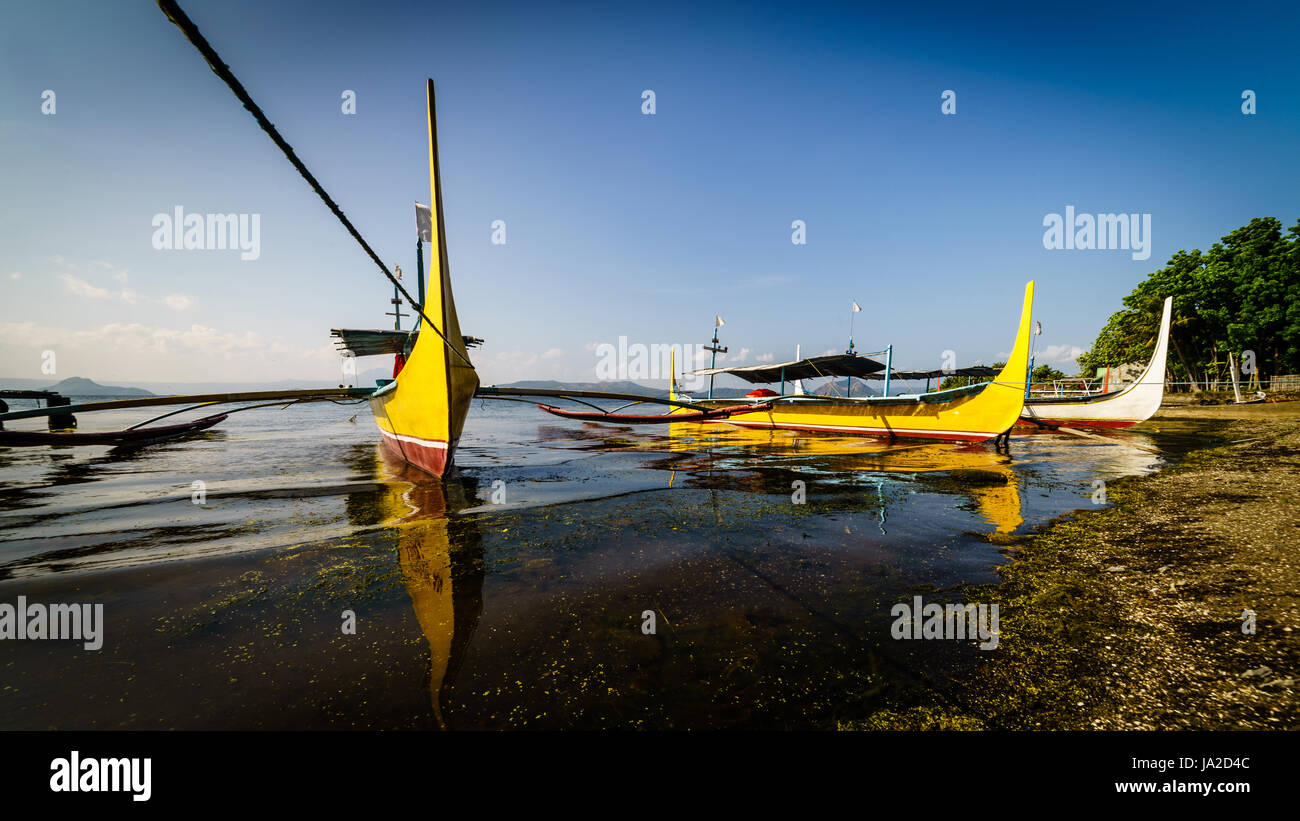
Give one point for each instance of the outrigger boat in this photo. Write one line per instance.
(972, 413)
(1122, 408)
(422, 411)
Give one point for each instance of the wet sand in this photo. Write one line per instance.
(1131, 617)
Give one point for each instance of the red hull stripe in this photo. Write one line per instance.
(900, 433)
(429, 455)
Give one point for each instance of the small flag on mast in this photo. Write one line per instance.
(424, 222)
(857, 309)
(718, 321)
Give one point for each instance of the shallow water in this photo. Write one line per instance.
(515, 594)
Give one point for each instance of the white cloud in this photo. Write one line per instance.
(553, 353)
(79, 287)
(82, 288)
(15, 275)
(143, 352)
(1061, 353)
(767, 357)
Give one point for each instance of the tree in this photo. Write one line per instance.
(962, 381)
(1046, 373)
(1243, 294)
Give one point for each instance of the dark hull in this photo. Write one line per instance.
(158, 433)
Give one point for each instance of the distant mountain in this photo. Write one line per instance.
(162, 388)
(841, 386)
(77, 386)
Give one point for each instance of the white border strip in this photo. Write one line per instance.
(415, 440)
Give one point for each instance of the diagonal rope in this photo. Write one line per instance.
(219, 68)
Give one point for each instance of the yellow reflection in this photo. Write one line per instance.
(441, 563)
(977, 469)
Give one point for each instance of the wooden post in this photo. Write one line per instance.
(1232, 371)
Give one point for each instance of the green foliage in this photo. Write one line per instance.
(1046, 373)
(1242, 294)
(962, 381)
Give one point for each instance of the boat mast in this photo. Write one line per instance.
(396, 313)
(713, 361)
(848, 382)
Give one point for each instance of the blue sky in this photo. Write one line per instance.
(619, 223)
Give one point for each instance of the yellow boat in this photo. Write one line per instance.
(422, 411)
(969, 414)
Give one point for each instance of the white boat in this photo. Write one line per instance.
(1122, 408)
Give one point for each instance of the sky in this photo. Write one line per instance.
(620, 223)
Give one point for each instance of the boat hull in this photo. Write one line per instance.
(431, 456)
(1119, 409)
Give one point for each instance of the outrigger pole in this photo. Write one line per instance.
(193, 398)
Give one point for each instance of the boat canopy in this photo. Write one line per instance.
(840, 364)
(974, 370)
(369, 342)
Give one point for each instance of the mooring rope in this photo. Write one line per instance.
(191, 32)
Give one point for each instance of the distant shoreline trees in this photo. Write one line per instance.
(1243, 295)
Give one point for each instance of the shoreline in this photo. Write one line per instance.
(1131, 617)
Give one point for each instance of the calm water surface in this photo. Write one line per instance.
(513, 595)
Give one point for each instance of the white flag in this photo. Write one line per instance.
(424, 222)
(718, 321)
(857, 309)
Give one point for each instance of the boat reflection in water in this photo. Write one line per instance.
(441, 560)
(976, 471)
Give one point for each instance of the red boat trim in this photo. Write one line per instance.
(432, 456)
